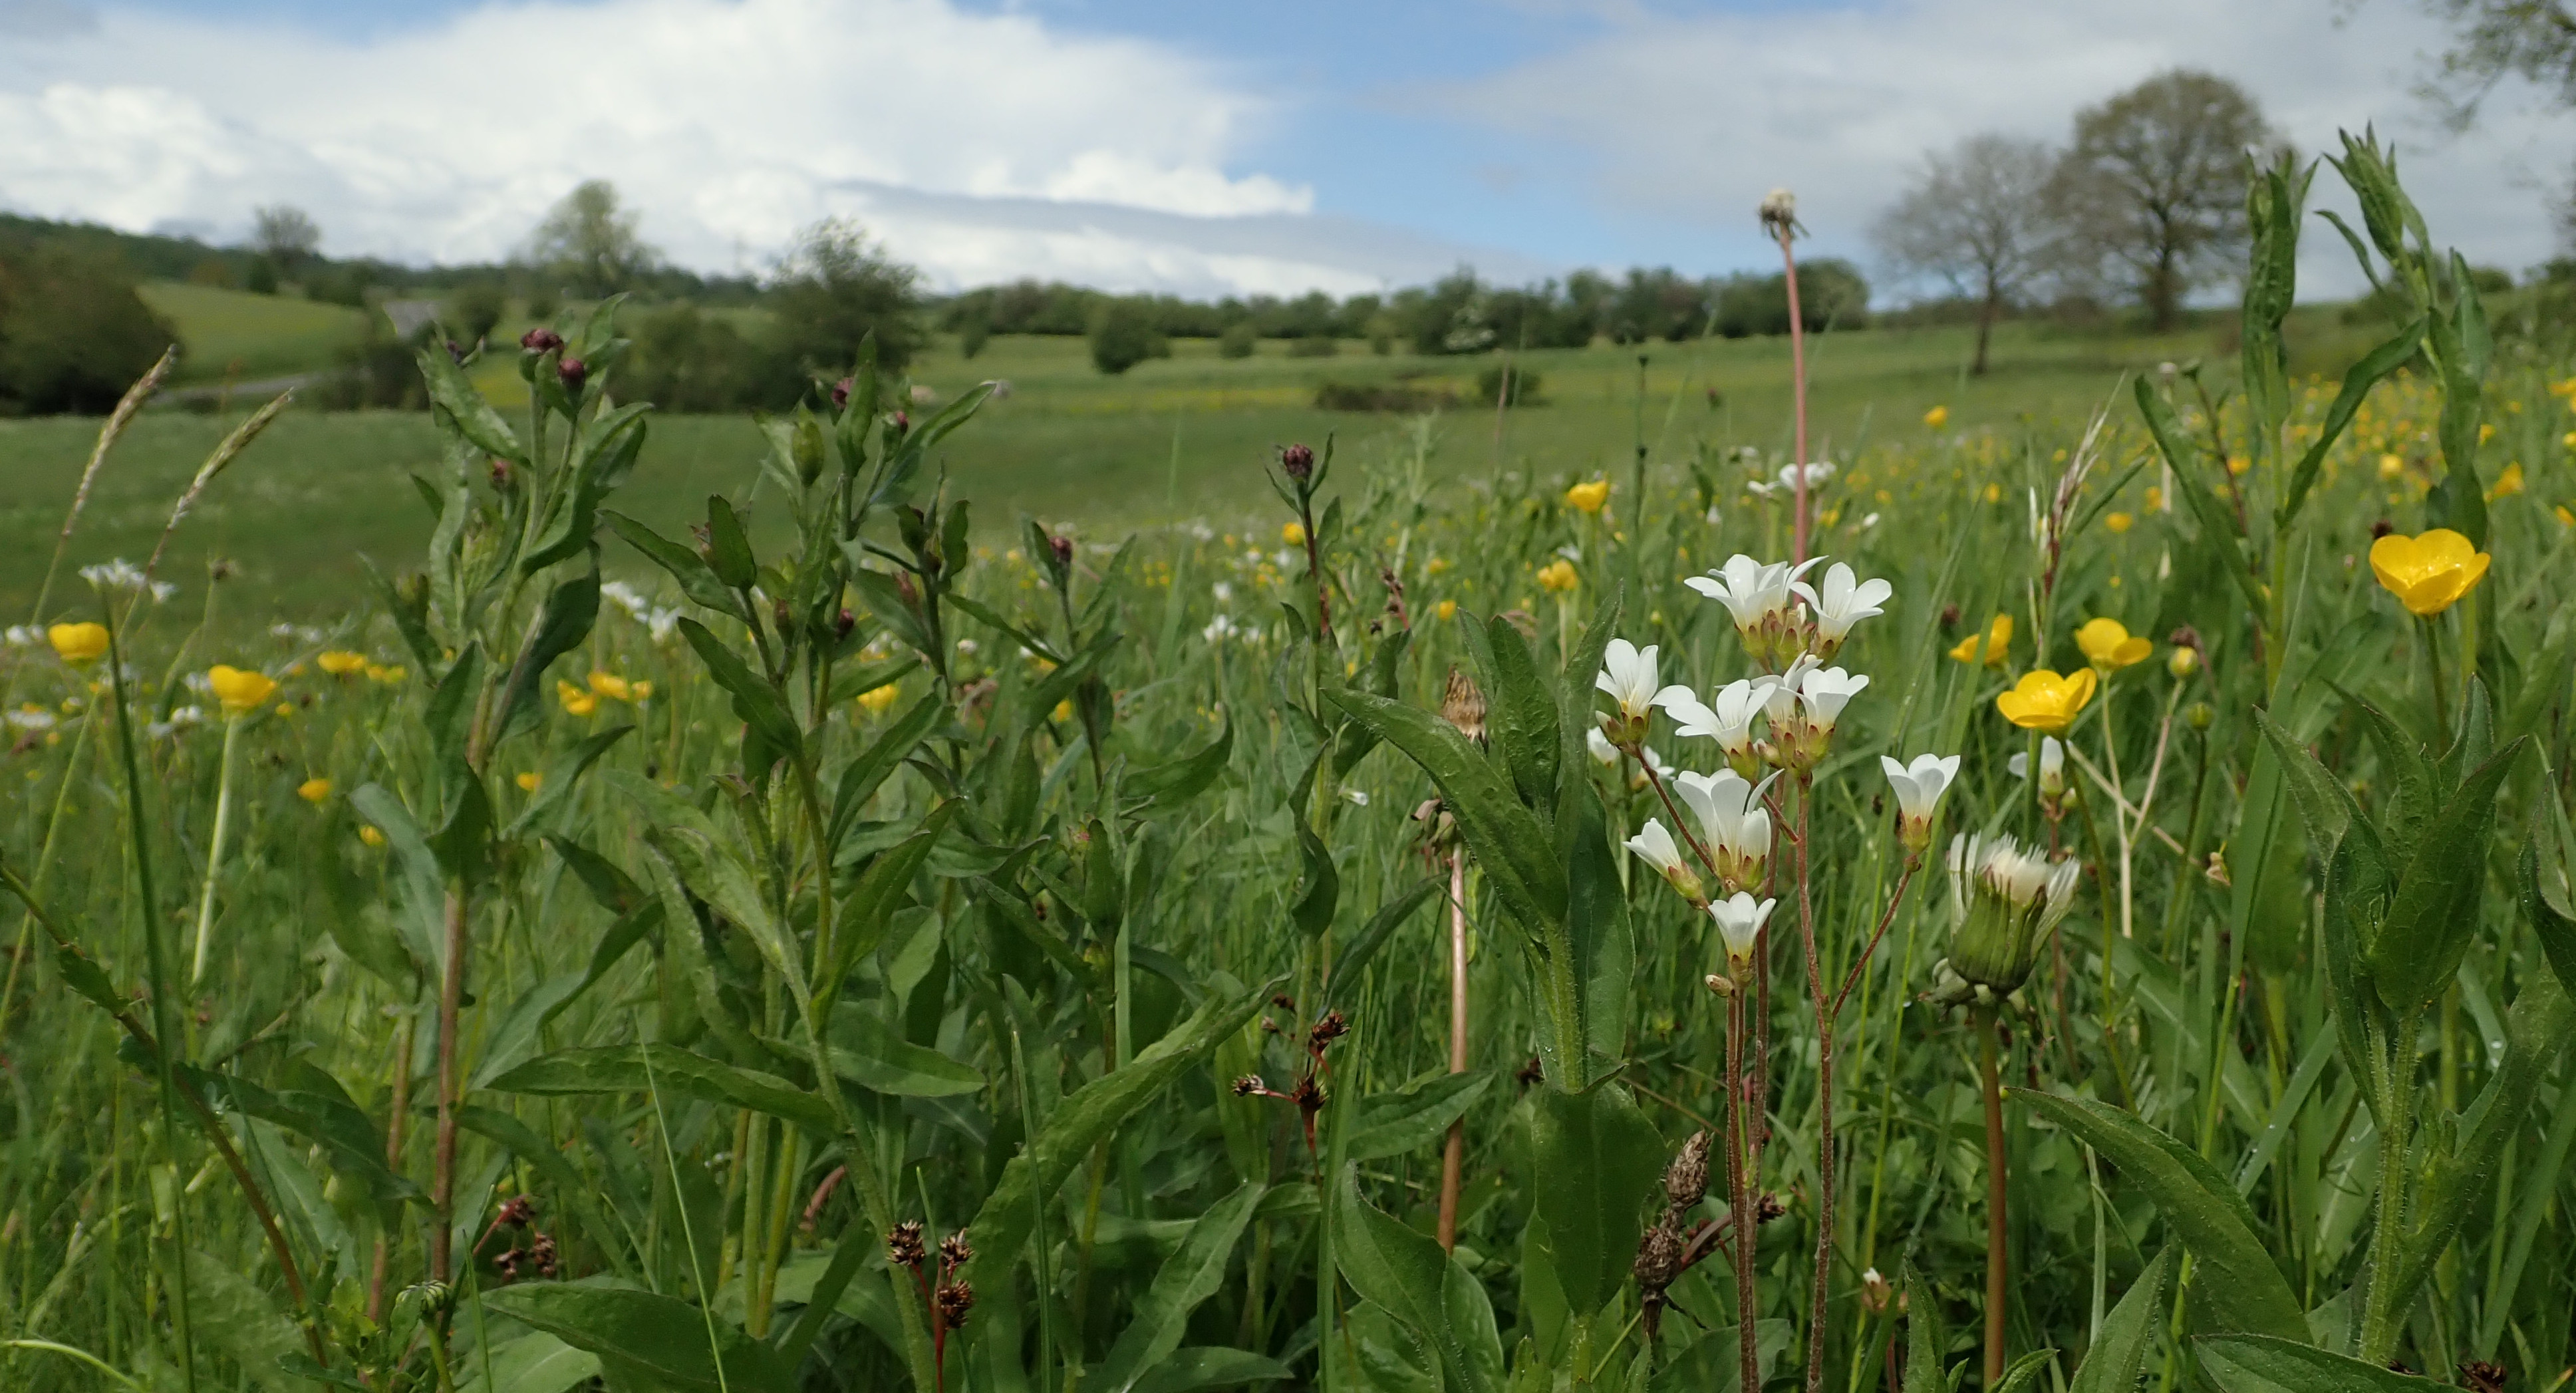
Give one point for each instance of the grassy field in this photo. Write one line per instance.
(1171, 440)
(233, 335)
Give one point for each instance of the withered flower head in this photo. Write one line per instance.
(1659, 1258)
(1308, 1095)
(1250, 1085)
(516, 1211)
(903, 1243)
(2482, 1377)
(955, 1301)
(1463, 706)
(1768, 1208)
(955, 1251)
(1686, 1179)
(1332, 1027)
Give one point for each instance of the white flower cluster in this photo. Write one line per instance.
(662, 623)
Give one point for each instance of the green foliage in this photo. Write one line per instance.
(1124, 334)
(73, 333)
(838, 291)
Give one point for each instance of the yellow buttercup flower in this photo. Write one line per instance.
(2108, 645)
(1558, 578)
(2508, 483)
(612, 686)
(1063, 710)
(876, 700)
(78, 644)
(2118, 522)
(2390, 466)
(1294, 534)
(642, 691)
(2565, 518)
(390, 676)
(2428, 574)
(313, 790)
(529, 780)
(1589, 496)
(340, 662)
(575, 701)
(2046, 702)
(371, 836)
(1994, 493)
(240, 691)
(1448, 609)
(2155, 499)
(1990, 645)
(1937, 417)
(2238, 464)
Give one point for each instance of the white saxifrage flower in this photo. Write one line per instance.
(1628, 675)
(1740, 918)
(1733, 821)
(1758, 597)
(1729, 722)
(1602, 751)
(1655, 846)
(2052, 766)
(1919, 787)
(1823, 694)
(1842, 601)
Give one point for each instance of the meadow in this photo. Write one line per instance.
(957, 892)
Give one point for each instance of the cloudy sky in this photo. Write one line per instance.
(1200, 146)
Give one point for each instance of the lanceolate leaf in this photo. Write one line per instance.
(1514, 848)
(2268, 1364)
(1927, 1345)
(1188, 1277)
(2217, 527)
(2112, 1364)
(755, 702)
(1364, 945)
(1602, 1160)
(1172, 784)
(570, 609)
(2357, 382)
(696, 581)
(2435, 912)
(454, 395)
(1520, 714)
(1390, 1124)
(2235, 1270)
(669, 1340)
(621, 1069)
(2324, 803)
(1403, 1271)
(2556, 932)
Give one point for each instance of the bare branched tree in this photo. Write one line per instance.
(2495, 39)
(285, 235)
(1976, 216)
(2152, 194)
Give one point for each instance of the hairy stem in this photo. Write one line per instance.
(1453, 1158)
(1990, 1076)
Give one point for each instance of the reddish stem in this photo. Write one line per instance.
(1797, 388)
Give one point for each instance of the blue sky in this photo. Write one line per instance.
(1205, 146)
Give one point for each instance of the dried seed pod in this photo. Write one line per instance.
(1463, 705)
(1659, 1258)
(955, 1301)
(903, 1243)
(1686, 1179)
(955, 1251)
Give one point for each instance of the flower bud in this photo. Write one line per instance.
(2199, 715)
(1686, 1179)
(1298, 461)
(841, 394)
(1720, 985)
(572, 372)
(1659, 1258)
(540, 341)
(1060, 547)
(2183, 662)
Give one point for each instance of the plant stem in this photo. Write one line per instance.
(1815, 1373)
(1453, 1158)
(401, 1113)
(1739, 1198)
(1990, 1076)
(1797, 397)
(215, 852)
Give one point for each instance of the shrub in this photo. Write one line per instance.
(1380, 396)
(1522, 391)
(211, 271)
(340, 285)
(690, 361)
(73, 334)
(261, 278)
(972, 335)
(475, 311)
(1123, 334)
(1314, 346)
(378, 370)
(543, 302)
(1238, 341)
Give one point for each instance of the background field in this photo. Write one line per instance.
(1173, 439)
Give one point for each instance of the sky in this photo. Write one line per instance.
(1200, 147)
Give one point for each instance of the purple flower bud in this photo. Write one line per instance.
(1298, 460)
(841, 393)
(573, 372)
(540, 340)
(1062, 547)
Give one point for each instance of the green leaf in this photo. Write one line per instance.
(2245, 1288)
(696, 580)
(1926, 1343)
(620, 1069)
(1364, 945)
(2556, 931)
(1602, 1160)
(663, 1337)
(2023, 1371)
(454, 396)
(1210, 1366)
(523, 1142)
(872, 1054)
(1390, 1124)
(2271, 1364)
(555, 786)
(884, 887)
(1188, 1277)
(570, 609)
(1401, 1270)
(2120, 1350)
(2357, 382)
(2217, 525)
(1598, 935)
(605, 456)
(864, 775)
(1319, 881)
(2325, 804)
(1520, 714)
(231, 1313)
(536, 1362)
(1576, 686)
(2404, 764)
(420, 892)
(2435, 913)
(1169, 785)
(729, 552)
(1518, 855)
(755, 702)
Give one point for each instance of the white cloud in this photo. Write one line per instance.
(728, 123)
(1695, 117)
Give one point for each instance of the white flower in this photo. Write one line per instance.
(1223, 590)
(1844, 600)
(25, 636)
(1750, 590)
(1603, 752)
(1824, 693)
(1817, 473)
(627, 598)
(1628, 675)
(664, 624)
(1740, 918)
(1731, 816)
(1869, 522)
(162, 590)
(1780, 703)
(2024, 880)
(199, 683)
(1729, 722)
(1654, 845)
(1358, 796)
(1655, 762)
(2052, 765)
(1219, 629)
(118, 574)
(967, 646)
(1919, 787)
(37, 719)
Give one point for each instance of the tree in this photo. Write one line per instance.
(2152, 193)
(475, 310)
(1976, 216)
(285, 235)
(835, 290)
(590, 240)
(1124, 333)
(2493, 39)
(73, 334)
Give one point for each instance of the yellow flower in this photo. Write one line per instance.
(1991, 645)
(371, 836)
(2155, 499)
(1448, 609)
(575, 701)
(612, 686)
(1063, 710)
(1937, 417)
(285, 708)
(2568, 440)
(2108, 645)
(2390, 466)
(340, 662)
(1994, 493)
(241, 692)
(1558, 578)
(2428, 574)
(2565, 518)
(643, 690)
(2486, 431)
(529, 779)
(2046, 702)
(313, 790)
(2118, 522)
(2508, 483)
(78, 644)
(1438, 564)
(2238, 464)
(876, 700)
(1294, 534)
(390, 676)
(1588, 497)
